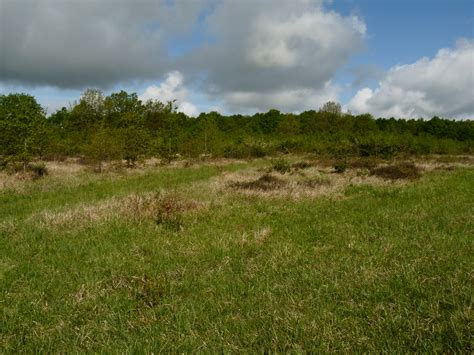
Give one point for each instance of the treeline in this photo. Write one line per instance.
(120, 126)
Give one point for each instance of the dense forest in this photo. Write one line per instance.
(119, 126)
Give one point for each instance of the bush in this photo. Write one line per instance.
(400, 171)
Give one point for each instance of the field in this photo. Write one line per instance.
(229, 255)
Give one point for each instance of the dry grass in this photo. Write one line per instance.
(399, 171)
(265, 182)
(313, 182)
(160, 207)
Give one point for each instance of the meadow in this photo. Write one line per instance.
(296, 253)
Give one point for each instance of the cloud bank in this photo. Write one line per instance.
(245, 55)
(254, 55)
(443, 86)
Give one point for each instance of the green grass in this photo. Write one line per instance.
(379, 268)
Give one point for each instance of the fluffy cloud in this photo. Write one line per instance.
(267, 50)
(73, 44)
(171, 89)
(282, 52)
(443, 85)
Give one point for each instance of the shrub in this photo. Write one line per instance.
(400, 171)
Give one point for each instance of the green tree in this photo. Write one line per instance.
(86, 114)
(22, 128)
(332, 107)
(103, 146)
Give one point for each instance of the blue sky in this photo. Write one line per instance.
(246, 56)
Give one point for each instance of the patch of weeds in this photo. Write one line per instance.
(301, 165)
(281, 165)
(147, 290)
(165, 209)
(400, 171)
(38, 170)
(266, 182)
(33, 171)
(150, 291)
(315, 181)
(341, 167)
(256, 151)
(454, 159)
(326, 162)
(365, 163)
(445, 167)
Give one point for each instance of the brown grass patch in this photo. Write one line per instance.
(313, 182)
(301, 165)
(264, 183)
(166, 209)
(365, 163)
(399, 171)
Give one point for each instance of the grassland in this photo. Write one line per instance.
(235, 256)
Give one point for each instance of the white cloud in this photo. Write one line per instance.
(171, 89)
(301, 38)
(267, 53)
(282, 52)
(443, 86)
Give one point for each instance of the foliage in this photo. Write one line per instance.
(22, 128)
(120, 126)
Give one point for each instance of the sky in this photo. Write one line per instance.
(390, 58)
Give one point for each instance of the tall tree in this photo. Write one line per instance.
(22, 127)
